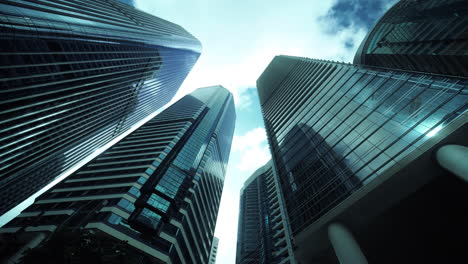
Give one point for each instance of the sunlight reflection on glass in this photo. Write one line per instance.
(434, 131)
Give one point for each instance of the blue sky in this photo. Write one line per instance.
(239, 39)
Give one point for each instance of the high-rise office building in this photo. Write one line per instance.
(263, 234)
(350, 143)
(159, 188)
(74, 75)
(427, 36)
(214, 251)
(128, 2)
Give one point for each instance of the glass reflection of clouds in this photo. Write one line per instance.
(366, 118)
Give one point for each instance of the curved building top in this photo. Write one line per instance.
(425, 36)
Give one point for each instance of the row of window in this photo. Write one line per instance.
(347, 125)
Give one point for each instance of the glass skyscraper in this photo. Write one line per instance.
(159, 188)
(214, 251)
(427, 36)
(263, 232)
(337, 130)
(128, 2)
(369, 151)
(74, 75)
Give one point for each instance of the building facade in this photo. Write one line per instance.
(425, 36)
(337, 131)
(74, 75)
(159, 188)
(214, 251)
(128, 2)
(263, 234)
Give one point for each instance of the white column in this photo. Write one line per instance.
(345, 246)
(454, 158)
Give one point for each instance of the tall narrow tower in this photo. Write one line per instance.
(159, 189)
(214, 251)
(74, 75)
(263, 234)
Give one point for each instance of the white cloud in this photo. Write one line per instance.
(252, 148)
(253, 137)
(245, 101)
(240, 38)
(254, 157)
(226, 229)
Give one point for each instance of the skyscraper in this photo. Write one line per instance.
(344, 139)
(214, 251)
(74, 76)
(263, 234)
(159, 188)
(427, 36)
(128, 2)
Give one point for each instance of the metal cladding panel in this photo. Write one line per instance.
(74, 75)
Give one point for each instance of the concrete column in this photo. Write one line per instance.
(454, 158)
(345, 246)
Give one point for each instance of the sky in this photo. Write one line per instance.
(239, 39)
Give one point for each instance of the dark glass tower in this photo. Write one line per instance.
(263, 232)
(337, 130)
(427, 36)
(159, 188)
(128, 2)
(74, 75)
